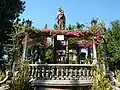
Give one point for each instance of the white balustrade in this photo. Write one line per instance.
(61, 71)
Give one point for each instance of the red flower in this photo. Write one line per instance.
(54, 35)
(47, 30)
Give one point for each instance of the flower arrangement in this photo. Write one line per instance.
(77, 33)
(41, 36)
(85, 44)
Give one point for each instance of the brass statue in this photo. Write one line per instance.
(60, 19)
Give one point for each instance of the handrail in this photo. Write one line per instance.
(116, 84)
(82, 65)
(8, 74)
(111, 74)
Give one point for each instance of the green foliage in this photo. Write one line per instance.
(2, 75)
(113, 45)
(100, 53)
(79, 26)
(11, 9)
(21, 82)
(73, 40)
(49, 54)
(95, 25)
(8, 13)
(3, 68)
(55, 26)
(70, 27)
(21, 27)
(117, 73)
(46, 26)
(15, 43)
(100, 81)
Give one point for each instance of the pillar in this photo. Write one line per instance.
(25, 47)
(67, 52)
(94, 53)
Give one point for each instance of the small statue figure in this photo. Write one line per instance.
(60, 19)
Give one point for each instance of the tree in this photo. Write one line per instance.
(46, 26)
(113, 45)
(55, 26)
(9, 11)
(69, 27)
(79, 26)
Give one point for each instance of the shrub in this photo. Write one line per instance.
(2, 75)
(101, 81)
(21, 81)
(117, 73)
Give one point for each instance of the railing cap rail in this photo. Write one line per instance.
(81, 65)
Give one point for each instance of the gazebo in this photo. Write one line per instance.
(62, 44)
(60, 58)
(67, 63)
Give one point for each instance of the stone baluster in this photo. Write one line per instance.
(43, 72)
(62, 73)
(33, 70)
(80, 74)
(70, 74)
(91, 73)
(73, 73)
(57, 73)
(47, 72)
(52, 73)
(88, 74)
(30, 71)
(39, 72)
(66, 73)
(76, 78)
(77, 73)
(84, 74)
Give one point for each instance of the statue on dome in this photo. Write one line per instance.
(60, 19)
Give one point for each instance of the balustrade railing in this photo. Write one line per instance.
(61, 71)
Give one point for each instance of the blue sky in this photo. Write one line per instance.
(43, 12)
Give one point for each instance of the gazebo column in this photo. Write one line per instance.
(25, 47)
(105, 64)
(94, 53)
(67, 52)
(54, 49)
(78, 57)
(89, 52)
